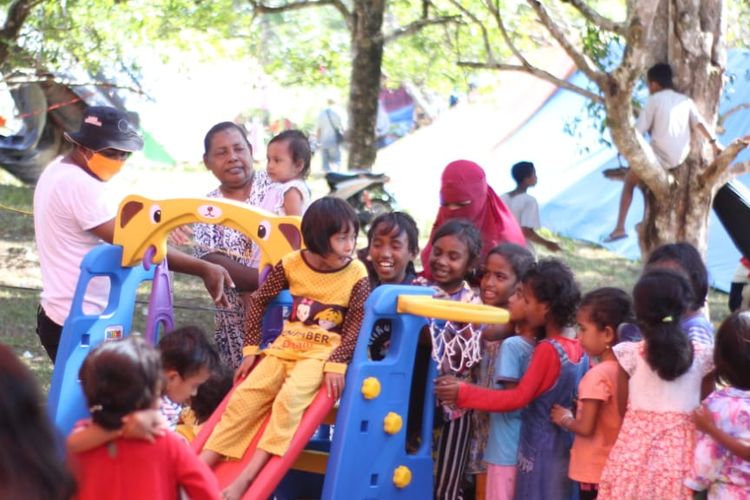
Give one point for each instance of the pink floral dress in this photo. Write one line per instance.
(723, 474)
(653, 454)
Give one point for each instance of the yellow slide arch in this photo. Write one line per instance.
(142, 223)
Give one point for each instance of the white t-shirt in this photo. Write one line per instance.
(668, 118)
(68, 202)
(647, 391)
(525, 209)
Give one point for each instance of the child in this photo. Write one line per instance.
(599, 414)
(683, 257)
(558, 363)
(524, 206)
(119, 378)
(503, 269)
(465, 194)
(210, 394)
(654, 449)
(186, 359)
(314, 347)
(392, 245)
(455, 249)
(288, 165)
(30, 467)
(722, 453)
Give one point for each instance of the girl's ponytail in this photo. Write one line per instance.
(661, 297)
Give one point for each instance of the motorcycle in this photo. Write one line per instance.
(364, 191)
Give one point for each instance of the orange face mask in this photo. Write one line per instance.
(103, 167)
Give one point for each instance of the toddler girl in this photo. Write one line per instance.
(722, 454)
(288, 165)
(186, 360)
(557, 364)
(599, 413)
(654, 449)
(119, 378)
(502, 367)
(315, 345)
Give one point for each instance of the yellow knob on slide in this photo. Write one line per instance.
(392, 423)
(371, 388)
(401, 476)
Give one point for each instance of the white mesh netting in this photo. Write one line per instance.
(456, 347)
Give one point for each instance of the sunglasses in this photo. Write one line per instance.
(115, 154)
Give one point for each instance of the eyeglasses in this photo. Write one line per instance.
(115, 154)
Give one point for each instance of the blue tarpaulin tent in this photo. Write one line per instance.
(577, 201)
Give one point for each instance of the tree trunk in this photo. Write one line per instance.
(367, 46)
(689, 36)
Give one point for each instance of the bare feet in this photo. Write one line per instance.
(615, 235)
(235, 490)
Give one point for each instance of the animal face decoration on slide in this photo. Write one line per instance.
(143, 224)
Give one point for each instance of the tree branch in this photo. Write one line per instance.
(578, 58)
(475, 20)
(261, 8)
(418, 25)
(723, 160)
(18, 11)
(730, 112)
(539, 73)
(595, 18)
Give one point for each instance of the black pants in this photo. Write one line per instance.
(48, 332)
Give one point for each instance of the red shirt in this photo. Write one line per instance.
(544, 368)
(126, 469)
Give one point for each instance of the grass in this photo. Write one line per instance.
(20, 279)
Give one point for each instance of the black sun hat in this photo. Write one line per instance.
(105, 127)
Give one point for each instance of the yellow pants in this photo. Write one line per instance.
(285, 388)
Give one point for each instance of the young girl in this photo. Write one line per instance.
(599, 414)
(501, 367)
(455, 249)
(209, 396)
(721, 463)
(558, 363)
(186, 359)
(654, 449)
(288, 165)
(392, 245)
(119, 378)
(683, 257)
(315, 345)
(30, 467)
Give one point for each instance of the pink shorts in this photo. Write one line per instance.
(501, 482)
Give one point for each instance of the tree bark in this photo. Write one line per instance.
(367, 48)
(690, 35)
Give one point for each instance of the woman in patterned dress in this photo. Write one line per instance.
(229, 156)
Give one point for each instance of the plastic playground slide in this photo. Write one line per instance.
(276, 468)
(732, 207)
